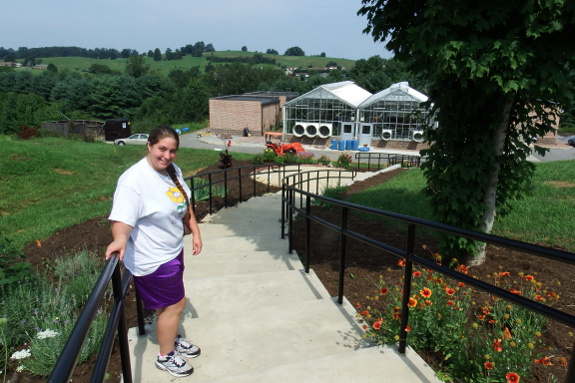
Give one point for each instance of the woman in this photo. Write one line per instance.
(151, 206)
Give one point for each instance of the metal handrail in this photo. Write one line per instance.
(64, 368)
(292, 207)
(382, 160)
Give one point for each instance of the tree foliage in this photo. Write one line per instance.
(491, 65)
(294, 51)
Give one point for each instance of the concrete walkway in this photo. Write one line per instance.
(258, 317)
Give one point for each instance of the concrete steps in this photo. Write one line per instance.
(258, 317)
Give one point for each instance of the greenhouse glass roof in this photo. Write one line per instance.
(345, 91)
(397, 92)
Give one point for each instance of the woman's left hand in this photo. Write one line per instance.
(197, 244)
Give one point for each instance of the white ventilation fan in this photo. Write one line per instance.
(324, 130)
(299, 129)
(418, 135)
(311, 130)
(386, 134)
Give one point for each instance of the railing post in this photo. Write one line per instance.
(406, 289)
(307, 233)
(210, 192)
(193, 196)
(140, 310)
(122, 328)
(283, 220)
(290, 218)
(240, 182)
(342, 246)
(226, 189)
(570, 378)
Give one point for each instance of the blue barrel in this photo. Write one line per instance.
(341, 144)
(348, 144)
(354, 144)
(333, 145)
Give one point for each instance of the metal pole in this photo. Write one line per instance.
(307, 233)
(342, 241)
(406, 289)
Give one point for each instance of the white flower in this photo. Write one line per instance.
(47, 334)
(20, 368)
(21, 354)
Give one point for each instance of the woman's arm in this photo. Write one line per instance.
(197, 239)
(121, 233)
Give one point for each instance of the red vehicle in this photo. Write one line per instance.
(280, 148)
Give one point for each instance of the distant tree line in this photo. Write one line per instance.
(257, 58)
(150, 99)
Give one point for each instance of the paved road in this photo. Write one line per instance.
(191, 140)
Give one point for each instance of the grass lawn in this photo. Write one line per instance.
(49, 184)
(544, 216)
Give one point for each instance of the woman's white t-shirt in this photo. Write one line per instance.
(152, 204)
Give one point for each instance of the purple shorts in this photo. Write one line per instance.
(165, 286)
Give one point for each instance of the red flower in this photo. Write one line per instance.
(426, 293)
(528, 278)
(365, 327)
(364, 313)
(417, 274)
(461, 284)
(513, 291)
(539, 297)
(383, 291)
(497, 345)
(481, 317)
(396, 315)
(486, 311)
(450, 303)
(412, 302)
(439, 281)
(395, 309)
(488, 365)
(512, 377)
(408, 328)
(449, 291)
(401, 262)
(358, 305)
(429, 277)
(377, 325)
(504, 274)
(545, 360)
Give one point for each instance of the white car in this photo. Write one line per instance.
(134, 139)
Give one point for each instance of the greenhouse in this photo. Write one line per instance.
(346, 111)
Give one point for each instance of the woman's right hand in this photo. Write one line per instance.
(121, 233)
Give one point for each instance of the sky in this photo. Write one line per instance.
(315, 26)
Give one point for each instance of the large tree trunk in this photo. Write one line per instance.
(490, 195)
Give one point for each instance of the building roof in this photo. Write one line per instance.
(346, 91)
(263, 99)
(397, 92)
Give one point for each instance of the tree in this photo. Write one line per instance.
(169, 54)
(100, 69)
(125, 53)
(244, 49)
(157, 55)
(491, 65)
(209, 48)
(136, 66)
(198, 49)
(272, 52)
(150, 53)
(322, 54)
(294, 51)
(9, 58)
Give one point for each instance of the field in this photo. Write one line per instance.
(164, 67)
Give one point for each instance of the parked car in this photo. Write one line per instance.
(134, 139)
(571, 142)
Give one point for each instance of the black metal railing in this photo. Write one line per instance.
(377, 161)
(298, 200)
(64, 368)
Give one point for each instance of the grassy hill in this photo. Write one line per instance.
(164, 67)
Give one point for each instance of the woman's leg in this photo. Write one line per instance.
(167, 326)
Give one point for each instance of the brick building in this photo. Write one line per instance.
(256, 111)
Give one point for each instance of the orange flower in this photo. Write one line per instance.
(492, 321)
(461, 284)
(395, 309)
(481, 317)
(364, 313)
(428, 303)
(438, 281)
(528, 278)
(450, 303)
(449, 291)
(417, 274)
(358, 305)
(486, 310)
(488, 365)
(412, 302)
(562, 361)
(383, 291)
(429, 277)
(401, 262)
(38, 243)
(512, 377)
(408, 328)
(504, 274)
(377, 324)
(506, 334)
(539, 297)
(462, 268)
(545, 360)
(513, 291)
(426, 293)
(497, 345)
(365, 327)
(396, 315)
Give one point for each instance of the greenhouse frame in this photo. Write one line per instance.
(346, 111)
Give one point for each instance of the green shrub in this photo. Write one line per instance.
(306, 158)
(324, 161)
(269, 155)
(330, 192)
(343, 161)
